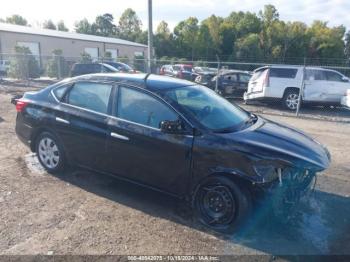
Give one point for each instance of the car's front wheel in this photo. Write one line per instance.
(50, 152)
(221, 204)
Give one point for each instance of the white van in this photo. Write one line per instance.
(322, 86)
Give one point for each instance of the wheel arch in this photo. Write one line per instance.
(37, 132)
(233, 176)
(290, 88)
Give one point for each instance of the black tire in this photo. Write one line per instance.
(290, 99)
(55, 160)
(236, 204)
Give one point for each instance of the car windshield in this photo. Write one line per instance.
(208, 108)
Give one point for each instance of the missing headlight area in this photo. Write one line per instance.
(291, 186)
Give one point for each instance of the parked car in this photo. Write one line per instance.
(231, 82)
(182, 71)
(167, 70)
(4, 66)
(345, 100)
(83, 69)
(174, 136)
(121, 67)
(322, 86)
(204, 78)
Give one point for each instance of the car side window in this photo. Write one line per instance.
(315, 75)
(92, 96)
(139, 107)
(333, 76)
(60, 91)
(232, 77)
(244, 78)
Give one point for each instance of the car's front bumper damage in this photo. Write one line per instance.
(284, 193)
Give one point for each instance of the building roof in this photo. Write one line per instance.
(54, 33)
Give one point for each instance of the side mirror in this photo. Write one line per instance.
(172, 127)
(345, 79)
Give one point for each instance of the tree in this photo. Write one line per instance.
(84, 27)
(24, 65)
(48, 24)
(16, 20)
(249, 47)
(129, 25)
(85, 58)
(61, 26)
(104, 25)
(186, 33)
(57, 66)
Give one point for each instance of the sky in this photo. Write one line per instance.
(336, 12)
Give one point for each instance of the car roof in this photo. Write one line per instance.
(229, 71)
(148, 81)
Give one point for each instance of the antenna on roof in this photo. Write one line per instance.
(145, 79)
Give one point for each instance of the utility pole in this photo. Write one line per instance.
(150, 38)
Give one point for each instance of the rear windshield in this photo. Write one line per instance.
(283, 72)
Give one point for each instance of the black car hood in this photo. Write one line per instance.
(271, 140)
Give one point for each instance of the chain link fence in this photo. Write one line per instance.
(28, 67)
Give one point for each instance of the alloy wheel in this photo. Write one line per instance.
(292, 101)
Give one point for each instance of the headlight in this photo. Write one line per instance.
(266, 171)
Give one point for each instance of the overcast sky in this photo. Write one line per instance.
(336, 12)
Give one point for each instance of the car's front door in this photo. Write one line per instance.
(316, 87)
(337, 86)
(139, 150)
(81, 122)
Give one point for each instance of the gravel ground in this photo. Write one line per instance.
(80, 212)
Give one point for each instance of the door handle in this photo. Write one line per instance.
(115, 135)
(61, 120)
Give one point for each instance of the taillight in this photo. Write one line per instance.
(266, 81)
(20, 105)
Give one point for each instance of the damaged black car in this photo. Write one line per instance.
(173, 136)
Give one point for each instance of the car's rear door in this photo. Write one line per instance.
(81, 122)
(139, 150)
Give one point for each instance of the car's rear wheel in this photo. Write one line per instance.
(221, 205)
(50, 152)
(291, 99)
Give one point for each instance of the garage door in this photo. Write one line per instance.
(33, 47)
(93, 52)
(114, 53)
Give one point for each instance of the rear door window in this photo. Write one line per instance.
(283, 72)
(92, 96)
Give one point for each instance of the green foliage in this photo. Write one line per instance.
(61, 26)
(57, 66)
(124, 59)
(129, 25)
(140, 63)
(85, 58)
(48, 24)
(16, 20)
(23, 65)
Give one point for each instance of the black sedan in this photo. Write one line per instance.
(173, 136)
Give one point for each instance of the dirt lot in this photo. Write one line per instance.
(86, 213)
